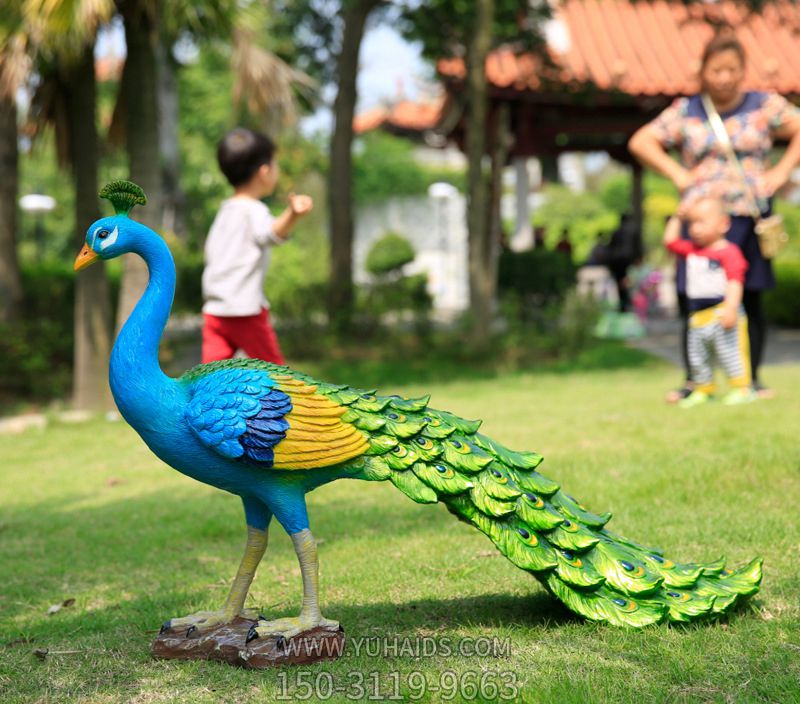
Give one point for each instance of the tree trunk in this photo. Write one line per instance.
(10, 279)
(340, 196)
(174, 199)
(90, 390)
(503, 140)
(480, 285)
(141, 99)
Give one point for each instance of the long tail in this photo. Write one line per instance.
(435, 456)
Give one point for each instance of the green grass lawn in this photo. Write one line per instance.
(87, 513)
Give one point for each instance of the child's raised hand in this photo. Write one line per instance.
(300, 204)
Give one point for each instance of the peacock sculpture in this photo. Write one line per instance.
(270, 435)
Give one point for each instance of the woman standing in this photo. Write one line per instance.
(752, 119)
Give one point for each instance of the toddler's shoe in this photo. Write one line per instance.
(739, 396)
(696, 398)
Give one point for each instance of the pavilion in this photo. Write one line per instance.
(609, 66)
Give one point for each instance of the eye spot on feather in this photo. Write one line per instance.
(626, 565)
(456, 444)
(393, 416)
(397, 449)
(527, 537)
(619, 602)
(674, 595)
(666, 564)
(423, 442)
(441, 469)
(535, 500)
(368, 397)
(726, 572)
(496, 473)
(569, 526)
(427, 419)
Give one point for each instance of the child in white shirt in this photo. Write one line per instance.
(237, 251)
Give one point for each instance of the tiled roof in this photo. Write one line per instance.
(402, 116)
(649, 47)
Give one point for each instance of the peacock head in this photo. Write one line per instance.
(110, 237)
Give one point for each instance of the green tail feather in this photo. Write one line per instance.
(433, 456)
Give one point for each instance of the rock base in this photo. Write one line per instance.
(229, 644)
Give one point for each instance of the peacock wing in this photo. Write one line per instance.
(237, 411)
(266, 415)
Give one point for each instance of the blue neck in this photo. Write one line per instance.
(138, 384)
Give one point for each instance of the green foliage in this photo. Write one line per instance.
(39, 174)
(791, 218)
(533, 286)
(781, 303)
(389, 254)
(615, 193)
(444, 26)
(384, 166)
(36, 351)
(393, 297)
(589, 214)
(583, 214)
(298, 280)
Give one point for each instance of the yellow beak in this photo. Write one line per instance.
(85, 257)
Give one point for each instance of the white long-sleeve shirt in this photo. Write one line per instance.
(237, 255)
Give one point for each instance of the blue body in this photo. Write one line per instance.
(156, 405)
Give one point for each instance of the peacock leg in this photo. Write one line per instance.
(234, 603)
(310, 617)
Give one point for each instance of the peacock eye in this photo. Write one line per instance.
(103, 234)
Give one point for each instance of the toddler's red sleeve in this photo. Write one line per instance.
(734, 263)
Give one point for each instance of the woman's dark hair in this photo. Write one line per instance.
(723, 40)
(242, 152)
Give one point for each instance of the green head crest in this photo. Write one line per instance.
(123, 196)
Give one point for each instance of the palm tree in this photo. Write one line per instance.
(64, 34)
(14, 69)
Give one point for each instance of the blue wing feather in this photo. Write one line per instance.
(239, 413)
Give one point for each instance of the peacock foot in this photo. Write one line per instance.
(291, 626)
(206, 620)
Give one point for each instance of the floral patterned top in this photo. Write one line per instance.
(750, 125)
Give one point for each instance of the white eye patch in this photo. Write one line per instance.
(108, 241)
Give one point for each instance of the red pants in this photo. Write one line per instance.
(251, 333)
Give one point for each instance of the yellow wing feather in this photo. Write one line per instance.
(317, 437)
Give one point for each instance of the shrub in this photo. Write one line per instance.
(36, 350)
(389, 254)
(536, 278)
(392, 293)
(781, 303)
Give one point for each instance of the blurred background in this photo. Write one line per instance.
(467, 159)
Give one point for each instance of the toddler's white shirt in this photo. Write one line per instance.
(237, 254)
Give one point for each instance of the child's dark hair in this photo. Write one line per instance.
(242, 152)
